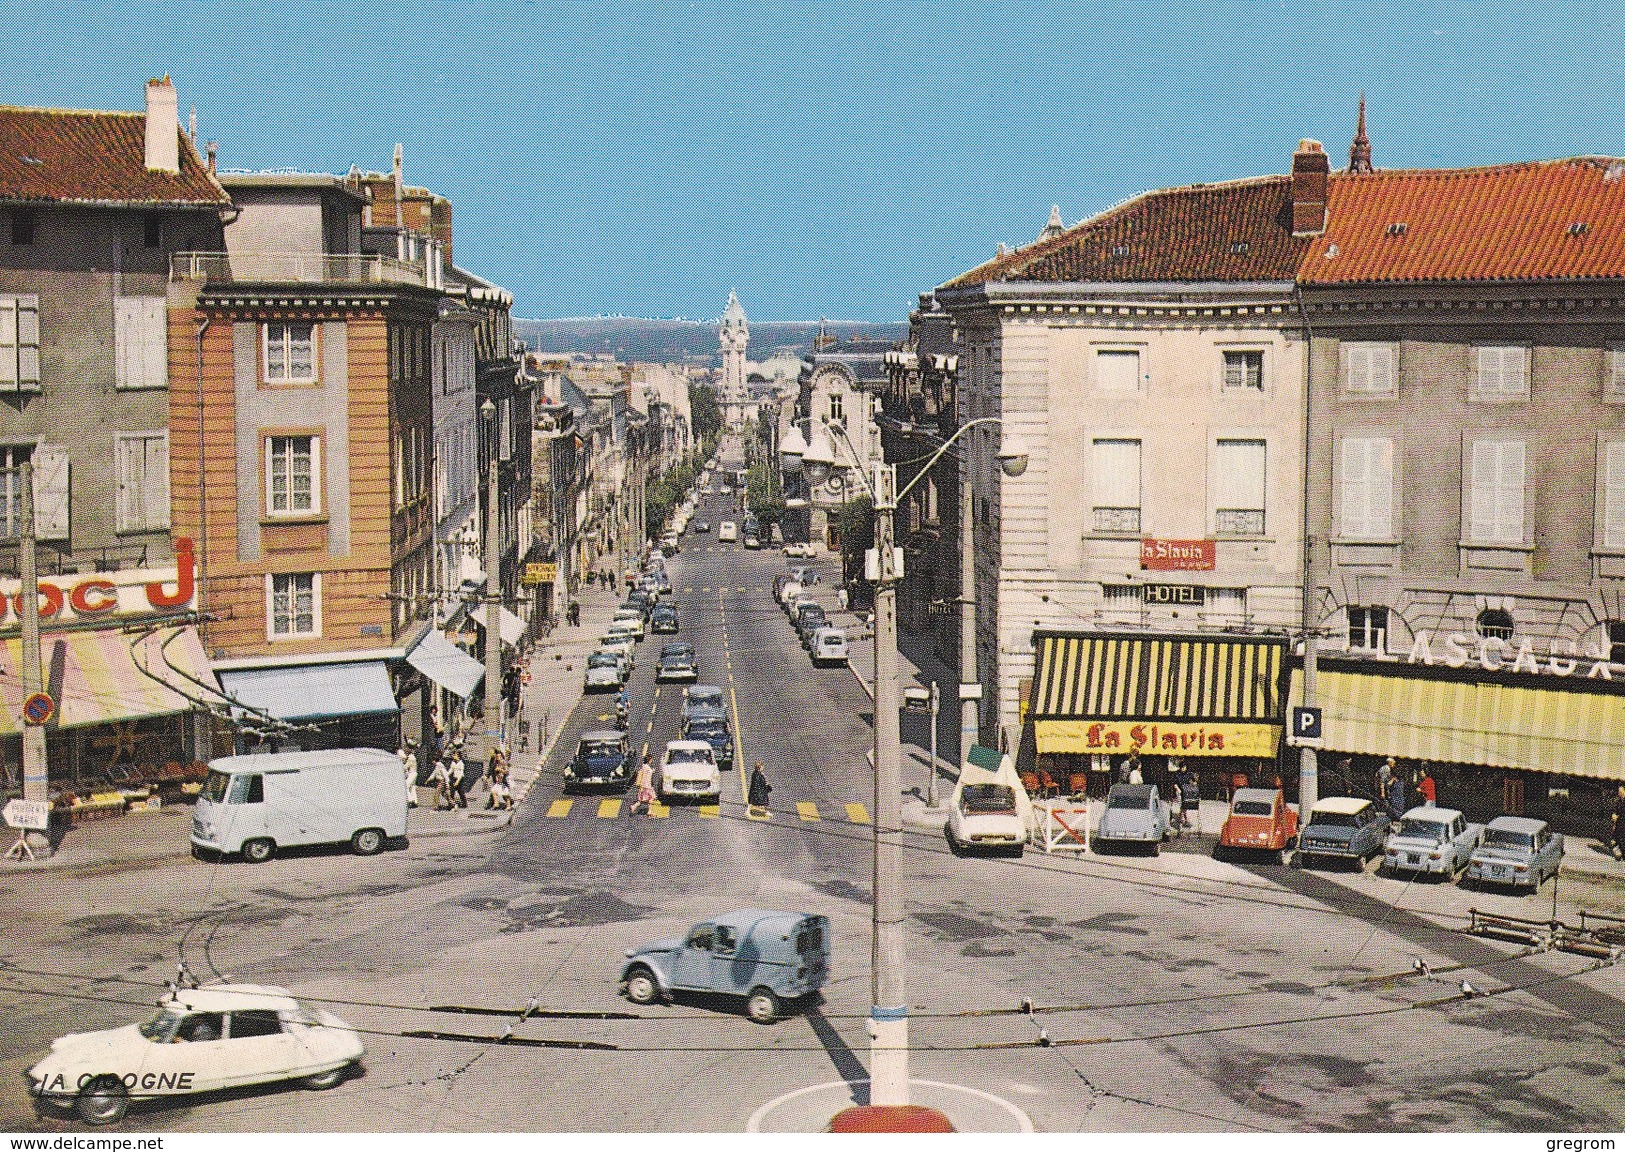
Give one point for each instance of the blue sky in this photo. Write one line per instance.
(823, 158)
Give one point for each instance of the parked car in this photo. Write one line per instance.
(668, 544)
(632, 618)
(804, 575)
(788, 593)
(663, 619)
(688, 769)
(801, 548)
(702, 526)
(1135, 814)
(677, 663)
(728, 532)
(604, 672)
(766, 957)
(1260, 820)
(1516, 851)
(602, 759)
(829, 645)
(1342, 828)
(714, 730)
(752, 541)
(622, 644)
(199, 1040)
(809, 618)
(984, 817)
(703, 700)
(640, 599)
(1434, 841)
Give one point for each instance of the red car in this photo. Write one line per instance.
(1260, 820)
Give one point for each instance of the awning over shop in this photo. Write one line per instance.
(446, 664)
(511, 627)
(306, 692)
(105, 675)
(1191, 696)
(1459, 721)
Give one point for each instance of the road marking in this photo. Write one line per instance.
(806, 809)
(657, 809)
(609, 807)
(645, 752)
(560, 808)
(857, 813)
(687, 590)
(711, 811)
(657, 690)
(744, 589)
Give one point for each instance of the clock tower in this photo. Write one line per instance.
(734, 335)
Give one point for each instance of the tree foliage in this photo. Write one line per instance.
(762, 494)
(703, 411)
(856, 519)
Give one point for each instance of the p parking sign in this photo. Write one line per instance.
(1306, 726)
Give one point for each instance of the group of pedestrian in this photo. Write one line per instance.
(1394, 789)
(496, 774)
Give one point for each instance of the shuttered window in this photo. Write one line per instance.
(19, 343)
(1370, 368)
(1238, 487)
(1366, 489)
(1495, 497)
(1614, 372)
(140, 347)
(1613, 495)
(1117, 370)
(1115, 481)
(1502, 372)
(142, 462)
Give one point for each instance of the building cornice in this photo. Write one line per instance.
(1222, 302)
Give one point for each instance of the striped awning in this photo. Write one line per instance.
(97, 677)
(1460, 721)
(1116, 677)
(1196, 696)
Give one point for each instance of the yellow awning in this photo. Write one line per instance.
(100, 676)
(1113, 677)
(1572, 733)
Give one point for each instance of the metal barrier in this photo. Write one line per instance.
(1061, 825)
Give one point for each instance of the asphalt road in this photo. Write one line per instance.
(1177, 992)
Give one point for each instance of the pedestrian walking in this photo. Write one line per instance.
(1428, 789)
(1135, 776)
(501, 797)
(645, 782)
(575, 614)
(1396, 797)
(759, 790)
(1618, 837)
(1385, 774)
(408, 753)
(457, 781)
(440, 781)
(841, 599)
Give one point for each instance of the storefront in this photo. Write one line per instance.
(128, 680)
(1213, 703)
(1501, 729)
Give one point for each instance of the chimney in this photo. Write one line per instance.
(163, 127)
(1311, 170)
(213, 148)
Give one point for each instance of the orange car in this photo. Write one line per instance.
(1260, 820)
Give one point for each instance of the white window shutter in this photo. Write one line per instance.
(155, 481)
(50, 492)
(1116, 479)
(1509, 497)
(1239, 479)
(1117, 370)
(1380, 463)
(1613, 529)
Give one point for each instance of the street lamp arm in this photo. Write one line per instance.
(942, 450)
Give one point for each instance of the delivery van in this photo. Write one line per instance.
(728, 532)
(255, 804)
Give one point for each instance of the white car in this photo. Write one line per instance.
(984, 818)
(631, 619)
(622, 644)
(689, 770)
(803, 549)
(199, 1040)
(604, 672)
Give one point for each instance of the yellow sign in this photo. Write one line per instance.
(1215, 738)
(540, 574)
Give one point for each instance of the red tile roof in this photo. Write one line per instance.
(1544, 220)
(1236, 231)
(50, 155)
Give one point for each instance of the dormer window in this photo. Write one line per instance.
(1578, 228)
(1398, 228)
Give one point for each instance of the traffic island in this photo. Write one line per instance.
(816, 1109)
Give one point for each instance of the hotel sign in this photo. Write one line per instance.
(1177, 555)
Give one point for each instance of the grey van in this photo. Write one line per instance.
(765, 957)
(257, 804)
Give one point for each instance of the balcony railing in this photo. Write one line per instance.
(294, 268)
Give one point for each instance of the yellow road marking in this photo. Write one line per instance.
(560, 807)
(857, 813)
(657, 809)
(657, 689)
(645, 751)
(739, 744)
(711, 810)
(609, 807)
(807, 809)
(744, 589)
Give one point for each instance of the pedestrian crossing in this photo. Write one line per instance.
(719, 588)
(609, 807)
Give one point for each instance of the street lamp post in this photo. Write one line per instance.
(888, 1013)
(934, 707)
(493, 590)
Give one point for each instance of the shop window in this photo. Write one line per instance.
(1368, 628)
(1616, 641)
(1494, 623)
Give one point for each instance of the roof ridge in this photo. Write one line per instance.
(1482, 169)
(71, 111)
